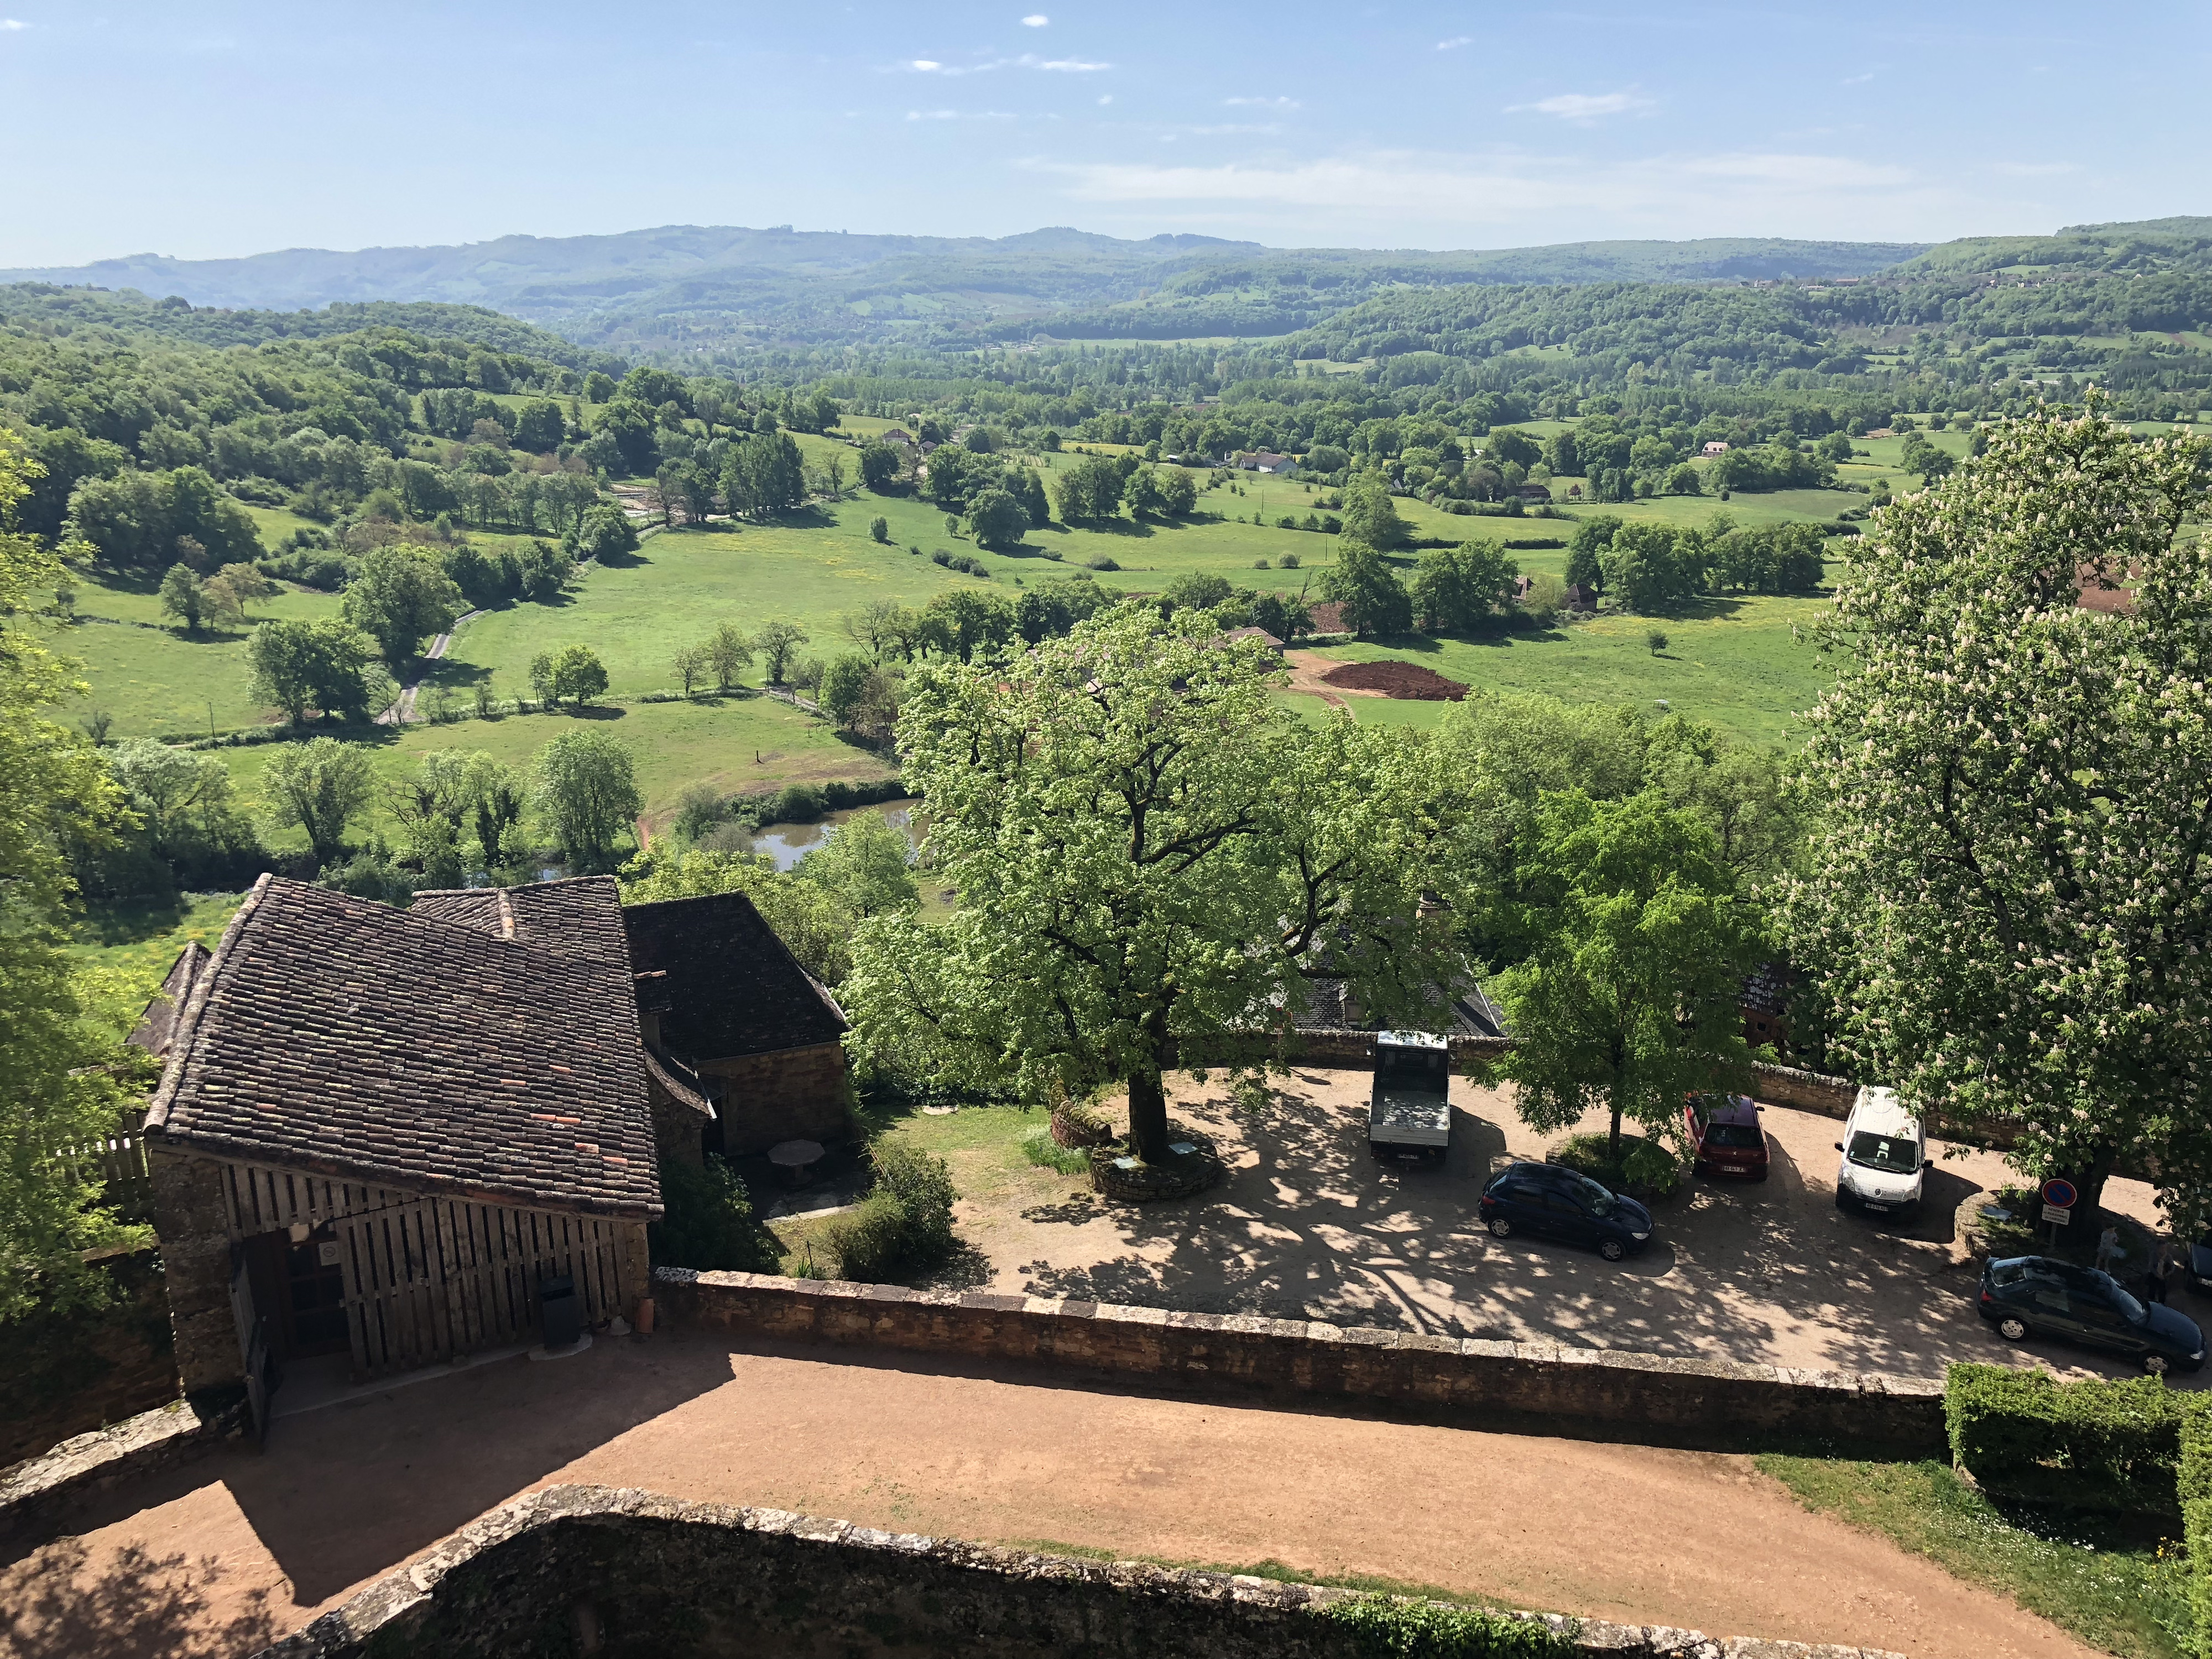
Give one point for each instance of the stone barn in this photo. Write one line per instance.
(379, 1131)
(723, 1002)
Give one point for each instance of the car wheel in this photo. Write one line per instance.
(1501, 1226)
(1842, 1203)
(2013, 1328)
(1761, 1175)
(1612, 1249)
(2155, 1364)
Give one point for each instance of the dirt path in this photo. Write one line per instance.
(1306, 671)
(402, 712)
(215, 1558)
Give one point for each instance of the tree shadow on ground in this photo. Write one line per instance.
(137, 1604)
(126, 921)
(1307, 1226)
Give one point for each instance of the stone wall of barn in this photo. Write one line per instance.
(793, 1094)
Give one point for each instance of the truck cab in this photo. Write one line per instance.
(1409, 1116)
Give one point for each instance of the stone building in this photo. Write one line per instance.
(379, 1131)
(723, 1002)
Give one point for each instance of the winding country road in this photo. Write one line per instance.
(402, 711)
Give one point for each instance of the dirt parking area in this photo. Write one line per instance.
(1309, 1226)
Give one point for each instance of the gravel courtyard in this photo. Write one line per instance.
(1310, 1226)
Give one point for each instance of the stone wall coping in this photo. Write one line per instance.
(403, 1597)
(1541, 1353)
(137, 1445)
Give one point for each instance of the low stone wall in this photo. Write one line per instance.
(1809, 1092)
(1475, 1383)
(619, 1573)
(32, 1492)
(61, 1376)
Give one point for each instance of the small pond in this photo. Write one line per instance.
(788, 843)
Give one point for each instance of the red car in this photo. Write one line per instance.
(1725, 1138)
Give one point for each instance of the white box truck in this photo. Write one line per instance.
(1409, 1117)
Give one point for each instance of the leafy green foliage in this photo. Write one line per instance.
(401, 596)
(587, 795)
(1455, 588)
(1373, 599)
(320, 788)
(2004, 899)
(2091, 1444)
(709, 1221)
(1386, 1627)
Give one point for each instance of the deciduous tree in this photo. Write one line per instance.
(587, 795)
(2006, 897)
(320, 788)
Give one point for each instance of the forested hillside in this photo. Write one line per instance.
(721, 291)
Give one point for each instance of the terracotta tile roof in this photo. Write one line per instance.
(483, 1044)
(732, 989)
(157, 1026)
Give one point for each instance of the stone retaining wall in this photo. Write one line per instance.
(34, 1491)
(1477, 1384)
(620, 1573)
(63, 1374)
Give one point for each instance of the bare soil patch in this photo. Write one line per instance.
(1405, 680)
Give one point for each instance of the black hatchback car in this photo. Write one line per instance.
(1552, 1201)
(2038, 1295)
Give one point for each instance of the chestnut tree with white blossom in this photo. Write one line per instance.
(2007, 895)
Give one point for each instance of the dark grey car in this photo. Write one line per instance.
(2038, 1295)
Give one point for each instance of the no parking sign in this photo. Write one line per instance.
(2058, 1197)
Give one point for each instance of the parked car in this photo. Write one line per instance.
(1885, 1165)
(1552, 1201)
(1725, 1136)
(1409, 1114)
(2037, 1295)
(2200, 1266)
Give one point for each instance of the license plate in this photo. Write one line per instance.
(1879, 1209)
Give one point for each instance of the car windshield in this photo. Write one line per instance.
(1732, 1135)
(1595, 1198)
(1891, 1152)
(2130, 1310)
(1425, 1069)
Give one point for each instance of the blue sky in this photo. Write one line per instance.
(200, 130)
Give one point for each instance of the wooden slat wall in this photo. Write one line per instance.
(118, 1162)
(425, 1278)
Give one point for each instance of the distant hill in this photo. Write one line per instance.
(52, 308)
(2147, 246)
(682, 288)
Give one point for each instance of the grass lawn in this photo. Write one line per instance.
(1731, 661)
(135, 941)
(157, 681)
(673, 745)
(2123, 1590)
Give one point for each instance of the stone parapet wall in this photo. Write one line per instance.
(33, 1490)
(64, 1374)
(621, 1573)
(1475, 1383)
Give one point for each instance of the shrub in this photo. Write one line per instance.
(1041, 1149)
(709, 1221)
(1289, 562)
(1386, 1627)
(880, 529)
(923, 1186)
(867, 1239)
(799, 803)
(2090, 1445)
(1100, 561)
(1647, 1169)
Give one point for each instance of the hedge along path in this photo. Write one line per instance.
(1008, 1455)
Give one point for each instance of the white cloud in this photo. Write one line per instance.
(1036, 19)
(10, 25)
(1262, 103)
(2036, 169)
(1064, 65)
(925, 64)
(1105, 99)
(1584, 106)
(1858, 80)
(959, 115)
(1508, 192)
(1456, 43)
(1027, 60)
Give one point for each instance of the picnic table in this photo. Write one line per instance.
(794, 1160)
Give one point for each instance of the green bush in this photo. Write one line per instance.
(2089, 1445)
(1042, 1150)
(2196, 1538)
(923, 1186)
(868, 1239)
(1647, 1168)
(2193, 1476)
(1384, 1627)
(709, 1221)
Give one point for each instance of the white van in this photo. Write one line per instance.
(1885, 1164)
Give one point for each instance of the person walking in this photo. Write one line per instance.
(2161, 1263)
(2108, 1246)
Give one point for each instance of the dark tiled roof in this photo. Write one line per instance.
(426, 1048)
(732, 989)
(157, 1026)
